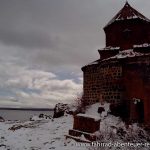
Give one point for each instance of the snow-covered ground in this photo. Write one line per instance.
(38, 135)
(46, 134)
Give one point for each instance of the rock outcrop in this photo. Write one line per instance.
(2, 119)
(60, 110)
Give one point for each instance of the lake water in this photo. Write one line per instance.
(22, 115)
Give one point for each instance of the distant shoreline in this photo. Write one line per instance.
(30, 109)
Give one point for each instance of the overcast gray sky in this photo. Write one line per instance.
(44, 43)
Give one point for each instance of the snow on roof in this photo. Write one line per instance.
(127, 12)
(122, 54)
(93, 63)
(141, 45)
(125, 54)
(110, 48)
(106, 48)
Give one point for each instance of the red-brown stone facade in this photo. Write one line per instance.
(127, 28)
(122, 74)
(136, 80)
(120, 81)
(132, 32)
(102, 82)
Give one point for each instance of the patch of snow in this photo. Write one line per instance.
(83, 138)
(93, 63)
(108, 122)
(125, 54)
(82, 132)
(142, 45)
(34, 118)
(111, 123)
(93, 109)
(111, 48)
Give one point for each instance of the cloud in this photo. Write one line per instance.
(30, 39)
(57, 33)
(37, 88)
(43, 41)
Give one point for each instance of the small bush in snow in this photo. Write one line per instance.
(132, 134)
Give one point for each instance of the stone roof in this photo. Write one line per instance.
(125, 54)
(109, 48)
(121, 55)
(127, 12)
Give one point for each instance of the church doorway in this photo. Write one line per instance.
(139, 110)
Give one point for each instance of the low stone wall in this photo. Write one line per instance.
(86, 123)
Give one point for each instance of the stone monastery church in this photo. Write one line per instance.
(122, 74)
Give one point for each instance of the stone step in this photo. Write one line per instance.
(78, 134)
(78, 139)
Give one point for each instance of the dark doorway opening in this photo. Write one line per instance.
(140, 111)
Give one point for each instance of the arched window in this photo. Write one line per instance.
(127, 34)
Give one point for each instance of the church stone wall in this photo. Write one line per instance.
(111, 86)
(92, 84)
(103, 83)
(136, 80)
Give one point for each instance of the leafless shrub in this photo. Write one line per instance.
(129, 135)
(80, 103)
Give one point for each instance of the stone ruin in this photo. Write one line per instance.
(84, 125)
